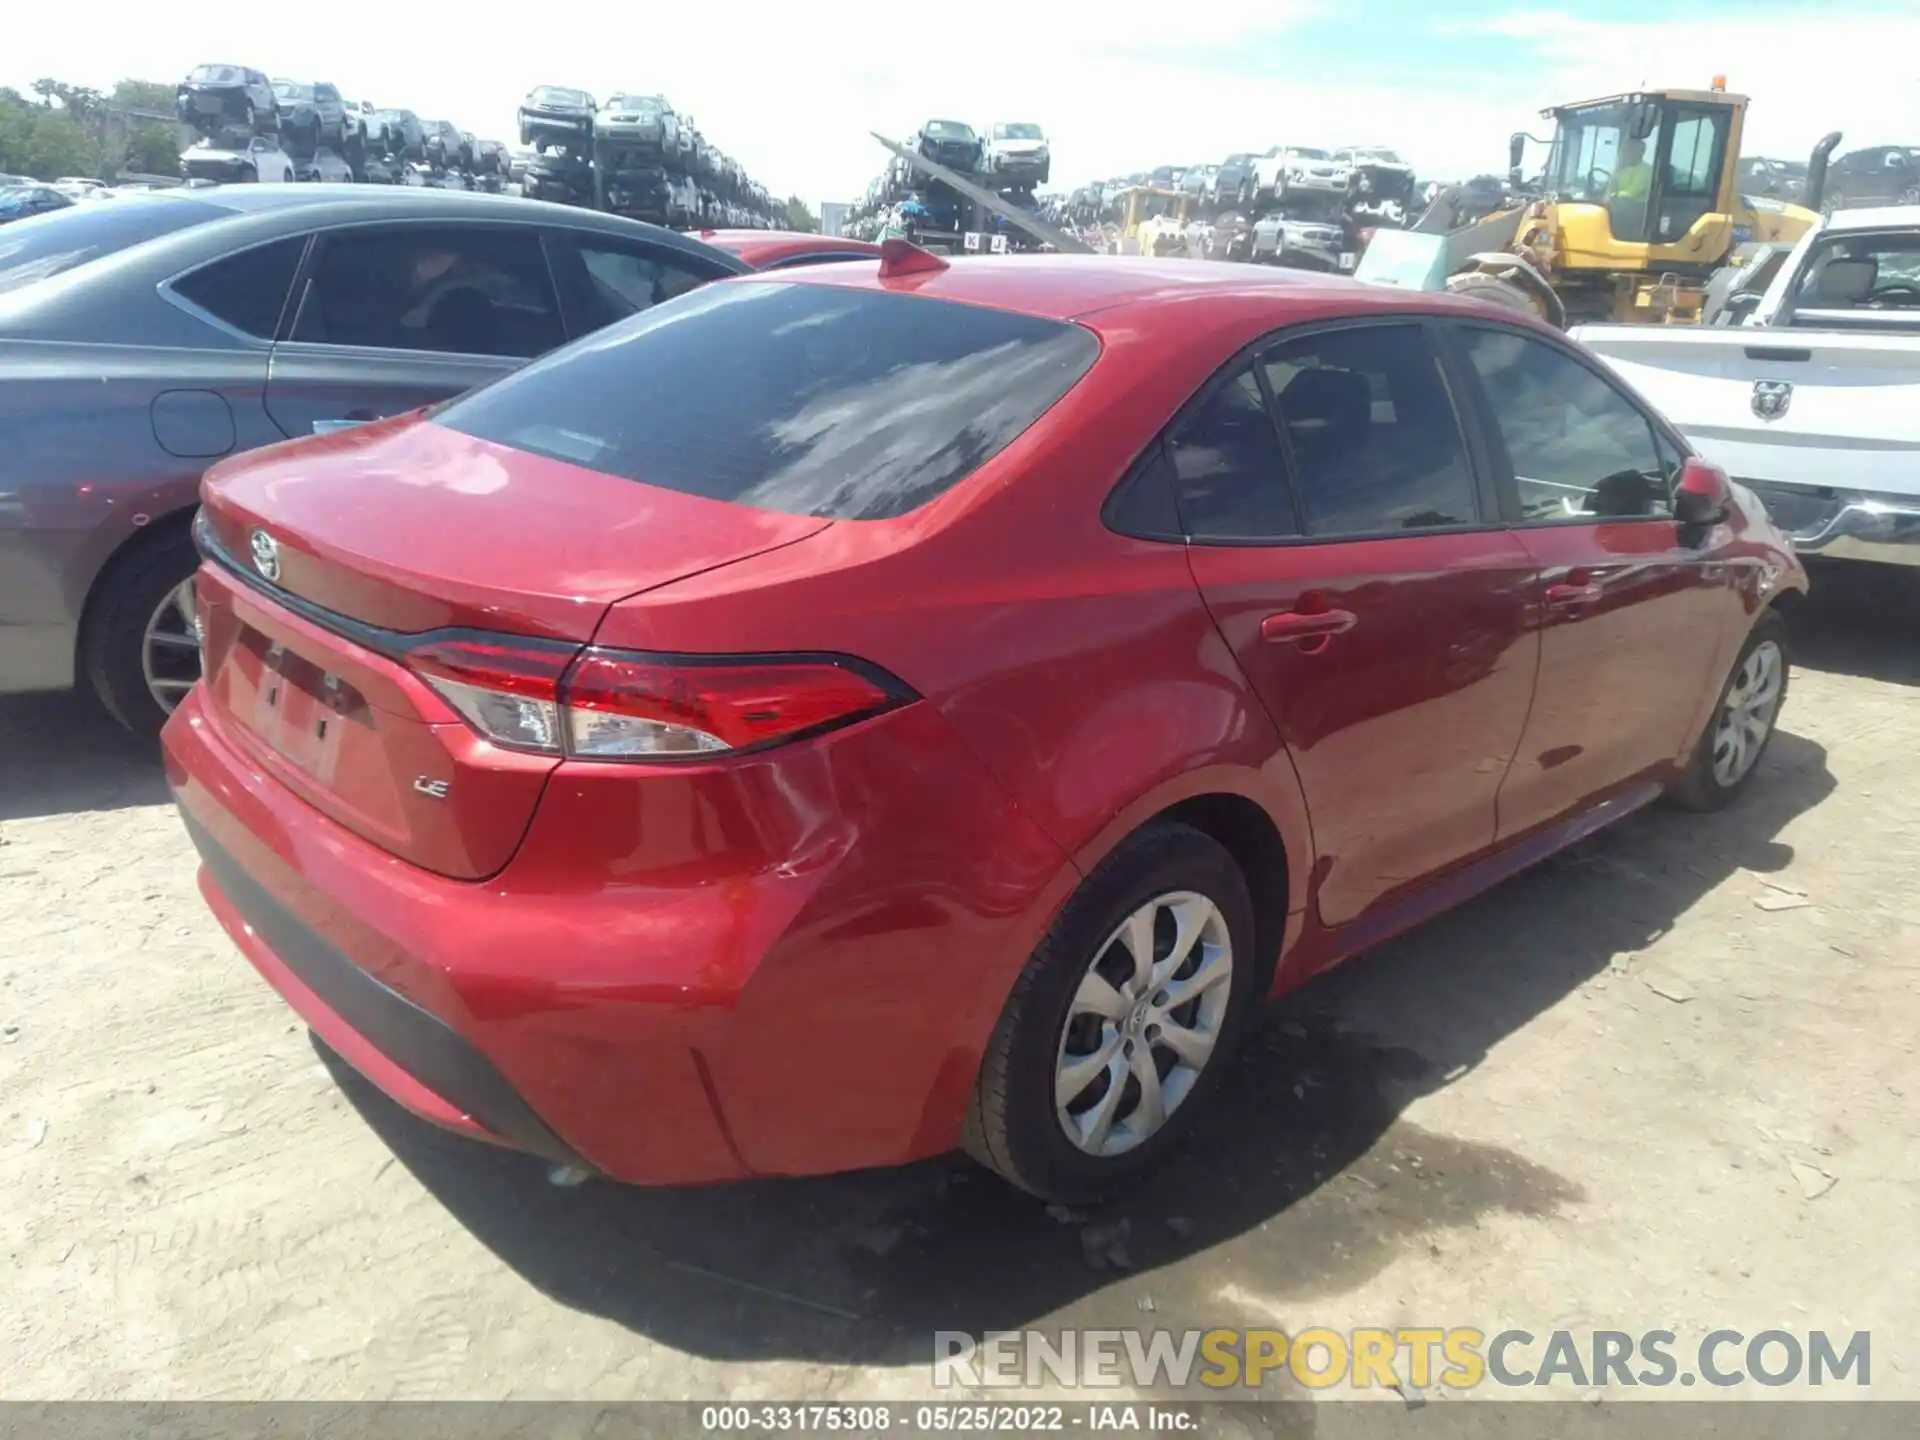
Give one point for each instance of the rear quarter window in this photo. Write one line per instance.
(808, 399)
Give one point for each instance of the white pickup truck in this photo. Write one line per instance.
(1811, 396)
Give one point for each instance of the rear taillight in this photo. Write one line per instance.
(602, 704)
(508, 689)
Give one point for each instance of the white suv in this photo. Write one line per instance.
(1016, 153)
(1300, 170)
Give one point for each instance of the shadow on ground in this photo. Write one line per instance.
(1306, 1181)
(62, 754)
(1861, 620)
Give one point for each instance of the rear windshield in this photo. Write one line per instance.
(216, 75)
(291, 90)
(46, 245)
(808, 399)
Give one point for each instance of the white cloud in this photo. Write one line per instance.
(793, 90)
(1806, 73)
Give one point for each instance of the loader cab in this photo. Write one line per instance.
(1657, 163)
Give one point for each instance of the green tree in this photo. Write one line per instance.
(152, 150)
(44, 141)
(71, 130)
(78, 101)
(144, 95)
(799, 217)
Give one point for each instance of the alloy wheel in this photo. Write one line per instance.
(170, 646)
(1143, 1023)
(1747, 714)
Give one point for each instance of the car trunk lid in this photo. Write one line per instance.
(332, 557)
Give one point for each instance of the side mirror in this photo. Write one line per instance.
(1739, 306)
(1703, 495)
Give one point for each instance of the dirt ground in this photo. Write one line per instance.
(1667, 1080)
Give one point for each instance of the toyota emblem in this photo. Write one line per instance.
(1771, 398)
(266, 555)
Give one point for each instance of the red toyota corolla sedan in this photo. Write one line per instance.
(840, 715)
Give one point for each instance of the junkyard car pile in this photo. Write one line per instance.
(636, 155)
(1010, 158)
(257, 128)
(1296, 205)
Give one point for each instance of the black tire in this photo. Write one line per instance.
(1699, 787)
(1494, 291)
(1012, 1126)
(117, 619)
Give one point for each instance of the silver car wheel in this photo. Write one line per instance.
(1748, 712)
(1143, 1023)
(170, 646)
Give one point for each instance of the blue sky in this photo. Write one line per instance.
(1120, 84)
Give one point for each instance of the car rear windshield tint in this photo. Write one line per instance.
(48, 245)
(809, 399)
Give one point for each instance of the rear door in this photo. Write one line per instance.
(1633, 610)
(393, 317)
(1376, 603)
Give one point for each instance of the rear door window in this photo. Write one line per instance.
(453, 289)
(1375, 444)
(808, 399)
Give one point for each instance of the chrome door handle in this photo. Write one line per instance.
(1560, 595)
(1293, 625)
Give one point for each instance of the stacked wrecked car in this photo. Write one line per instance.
(236, 115)
(1010, 158)
(634, 155)
(256, 128)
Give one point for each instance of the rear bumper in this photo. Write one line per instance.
(225, 171)
(392, 966)
(775, 969)
(409, 1052)
(1019, 164)
(1845, 524)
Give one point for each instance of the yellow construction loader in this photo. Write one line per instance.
(1637, 206)
(1153, 221)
